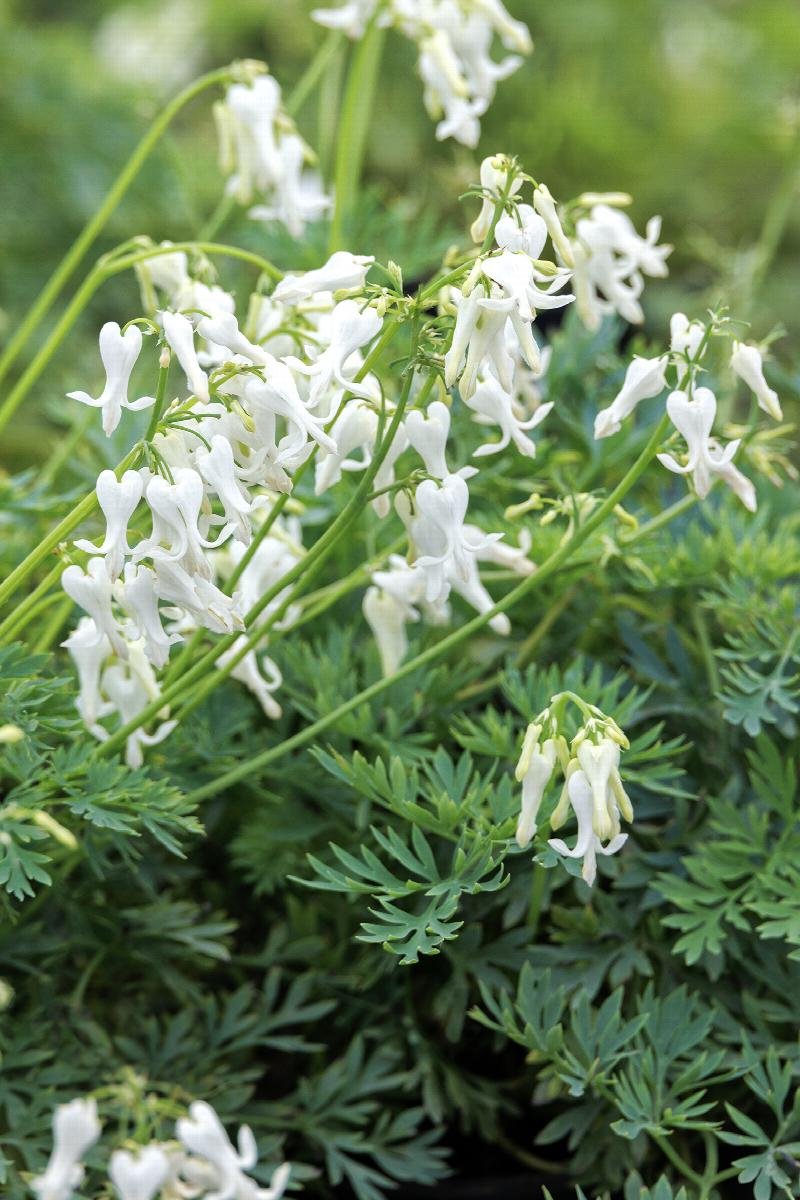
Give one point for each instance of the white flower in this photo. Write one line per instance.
(545, 205)
(262, 680)
(118, 499)
(694, 419)
(588, 845)
(246, 122)
(342, 272)
(298, 196)
(600, 765)
(92, 590)
(685, 336)
(218, 469)
(355, 428)
(223, 330)
(478, 340)
(89, 648)
(494, 175)
(75, 1129)
(139, 598)
(610, 259)
(387, 619)
(645, 377)
(492, 404)
(347, 329)
(352, 18)
(203, 1134)
(138, 1177)
(438, 533)
(202, 599)
(525, 231)
(130, 687)
(427, 433)
(179, 334)
(534, 770)
(118, 352)
(514, 272)
(514, 34)
(175, 508)
(746, 361)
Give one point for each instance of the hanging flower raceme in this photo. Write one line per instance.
(691, 406)
(201, 1164)
(264, 157)
(592, 787)
(454, 43)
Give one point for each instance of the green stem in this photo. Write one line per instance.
(96, 223)
(158, 407)
(353, 126)
(313, 73)
(530, 583)
(73, 518)
(54, 626)
(218, 218)
(19, 618)
(674, 1157)
(66, 447)
(537, 896)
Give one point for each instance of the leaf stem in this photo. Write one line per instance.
(353, 127)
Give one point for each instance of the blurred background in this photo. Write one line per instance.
(691, 105)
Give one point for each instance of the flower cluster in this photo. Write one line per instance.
(454, 43)
(200, 1163)
(193, 541)
(691, 406)
(592, 785)
(250, 415)
(264, 156)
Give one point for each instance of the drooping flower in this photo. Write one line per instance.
(203, 1134)
(534, 770)
(748, 364)
(588, 844)
(644, 378)
(179, 333)
(685, 336)
(427, 433)
(479, 340)
(138, 1177)
(599, 763)
(693, 417)
(493, 405)
(75, 1129)
(342, 272)
(118, 352)
(118, 499)
(496, 180)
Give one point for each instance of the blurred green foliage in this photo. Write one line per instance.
(691, 106)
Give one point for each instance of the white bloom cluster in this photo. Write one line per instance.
(201, 1164)
(692, 407)
(251, 414)
(592, 785)
(260, 399)
(264, 156)
(454, 43)
(610, 260)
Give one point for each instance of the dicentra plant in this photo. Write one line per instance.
(329, 447)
